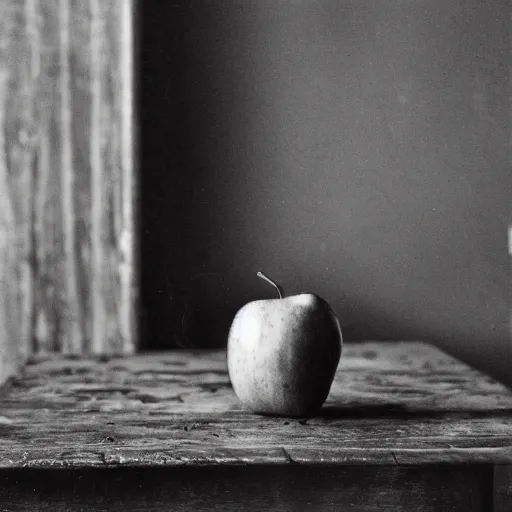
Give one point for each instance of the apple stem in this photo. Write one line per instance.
(265, 278)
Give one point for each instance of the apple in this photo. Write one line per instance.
(283, 353)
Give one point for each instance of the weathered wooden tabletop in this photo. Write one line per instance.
(391, 404)
(406, 427)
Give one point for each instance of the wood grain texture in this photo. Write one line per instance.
(11, 353)
(66, 177)
(394, 404)
(259, 488)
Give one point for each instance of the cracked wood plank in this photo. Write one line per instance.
(391, 404)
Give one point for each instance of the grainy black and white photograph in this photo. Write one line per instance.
(255, 255)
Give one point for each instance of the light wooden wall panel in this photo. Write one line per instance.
(67, 178)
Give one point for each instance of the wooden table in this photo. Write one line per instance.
(406, 427)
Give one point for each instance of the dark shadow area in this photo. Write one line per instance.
(173, 218)
(259, 488)
(160, 113)
(184, 299)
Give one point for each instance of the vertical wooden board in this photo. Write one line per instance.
(72, 333)
(49, 293)
(114, 84)
(110, 171)
(66, 177)
(81, 132)
(18, 163)
(83, 135)
(10, 353)
(128, 239)
(29, 136)
(98, 46)
(97, 186)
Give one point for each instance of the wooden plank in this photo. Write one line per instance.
(12, 343)
(274, 488)
(71, 317)
(127, 203)
(67, 178)
(98, 182)
(502, 488)
(395, 404)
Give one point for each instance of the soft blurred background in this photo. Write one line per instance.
(356, 149)
(155, 155)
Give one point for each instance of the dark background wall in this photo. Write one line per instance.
(355, 149)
